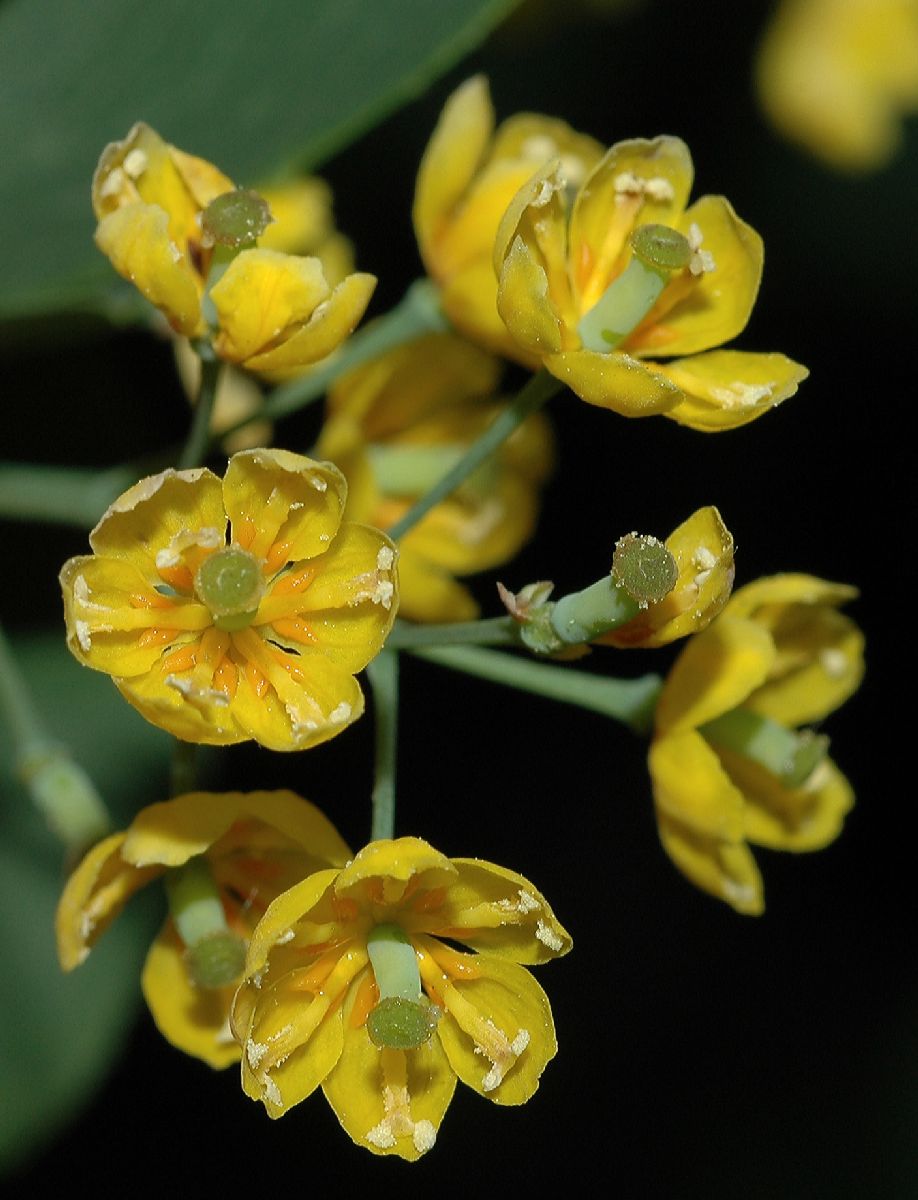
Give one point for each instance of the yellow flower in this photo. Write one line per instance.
(258, 636)
(268, 311)
(778, 657)
(838, 75)
(592, 310)
(256, 846)
(395, 426)
(334, 959)
(468, 176)
(302, 224)
(702, 547)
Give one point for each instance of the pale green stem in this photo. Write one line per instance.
(394, 963)
(537, 392)
(195, 449)
(383, 675)
(630, 701)
(496, 631)
(581, 616)
(417, 313)
(194, 900)
(60, 495)
(58, 787)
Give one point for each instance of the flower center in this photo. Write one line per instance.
(231, 584)
(404, 1018)
(236, 219)
(214, 954)
(657, 253)
(644, 567)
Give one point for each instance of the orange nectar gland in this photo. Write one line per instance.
(404, 1018)
(230, 583)
(236, 219)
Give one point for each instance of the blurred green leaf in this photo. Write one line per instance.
(250, 86)
(60, 1034)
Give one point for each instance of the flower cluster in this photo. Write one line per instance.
(243, 607)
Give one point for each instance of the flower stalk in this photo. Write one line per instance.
(383, 674)
(59, 788)
(630, 701)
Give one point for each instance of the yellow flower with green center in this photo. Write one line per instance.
(236, 608)
(349, 985)
(253, 847)
(177, 228)
(395, 426)
(469, 174)
(595, 282)
(729, 764)
(837, 76)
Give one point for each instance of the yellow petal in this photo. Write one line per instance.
(505, 1013)
(144, 520)
(396, 862)
(635, 182)
(690, 786)
(105, 630)
(205, 719)
(718, 669)
(501, 912)
(820, 664)
(389, 1101)
(283, 505)
(790, 588)
(353, 598)
(331, 323)
(783, 818)
(524, 303)
(718, 303)
(172, 832)
(725, 869)
(93, 896)
(469, 299)
(452, 156)
(614, 381)
(295, 1035)
(728, 388)
(136, 241)
(309, 698)
(262, 298)
(195, 1020)
(282, 914)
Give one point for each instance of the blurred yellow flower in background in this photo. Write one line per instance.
(220, 635)
(266, 310)
(348, 985)
(469, 174)
(255, 845)
(595, 280)
(838, 76)
(727, 765)
(395, 426)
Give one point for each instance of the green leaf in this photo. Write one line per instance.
(60, 1034)
(249, 86)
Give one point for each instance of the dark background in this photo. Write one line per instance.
(702, 1054)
